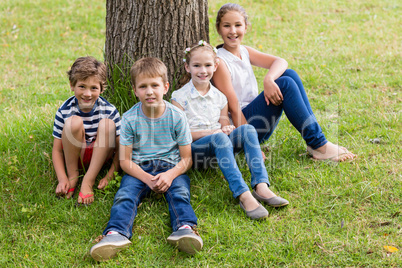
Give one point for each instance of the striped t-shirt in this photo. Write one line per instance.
(101, 110)
(155, 138)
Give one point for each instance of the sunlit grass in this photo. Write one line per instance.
(348, 55)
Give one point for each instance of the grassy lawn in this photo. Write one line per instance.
(348, 53)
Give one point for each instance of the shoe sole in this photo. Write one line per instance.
(260, 218)
(278, 206)
(107, 251)
(188, 244)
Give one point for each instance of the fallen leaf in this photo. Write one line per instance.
(396, 214)
(390, 249)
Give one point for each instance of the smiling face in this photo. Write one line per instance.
(201, 66)
(232, 28)
(150, 92)
(87, 92)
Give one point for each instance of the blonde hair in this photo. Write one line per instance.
(85, 67)
(227, 8)
(200, 46)
(149, 67)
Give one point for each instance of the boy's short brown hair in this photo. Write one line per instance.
(85, 67)
(149, 67)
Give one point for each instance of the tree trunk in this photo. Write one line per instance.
(162, 29)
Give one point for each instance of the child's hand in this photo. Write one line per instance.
(272, 93)
(62, 187)
(228, 129)
(163, 182)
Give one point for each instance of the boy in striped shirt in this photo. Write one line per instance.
(86, 130)
(155, 153)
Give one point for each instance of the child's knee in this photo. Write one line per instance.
(249, 134)
(181, 187)
(74, 123)
(291, 73)
(221, 139)
(107, 126)
(247, 128)
(287, 85)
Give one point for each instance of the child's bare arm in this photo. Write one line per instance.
(175, 103)
(277, 66)
(226, 127)
(59, 167)
(222, 80)
(132, 168)
(224, 117)
(164, 180)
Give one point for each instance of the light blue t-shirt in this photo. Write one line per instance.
(155, 138)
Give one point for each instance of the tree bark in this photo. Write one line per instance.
(153, 28)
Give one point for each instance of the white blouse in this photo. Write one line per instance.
(202, 112)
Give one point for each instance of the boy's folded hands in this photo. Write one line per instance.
(162, 182)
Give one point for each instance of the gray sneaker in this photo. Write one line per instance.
(109, 246)
(186, 240)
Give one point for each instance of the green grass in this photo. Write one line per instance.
(349, 57)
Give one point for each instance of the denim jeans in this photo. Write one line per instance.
(132, 191)
(223, 147)
(297, 109)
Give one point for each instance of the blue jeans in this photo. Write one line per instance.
(132, 191)
(223, 147)
(297, 109)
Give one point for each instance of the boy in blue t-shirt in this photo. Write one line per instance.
(86, 130)
(155, 153)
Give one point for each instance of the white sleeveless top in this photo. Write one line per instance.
(242, 74)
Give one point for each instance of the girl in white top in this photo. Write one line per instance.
(283, 89)
(207, 114)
